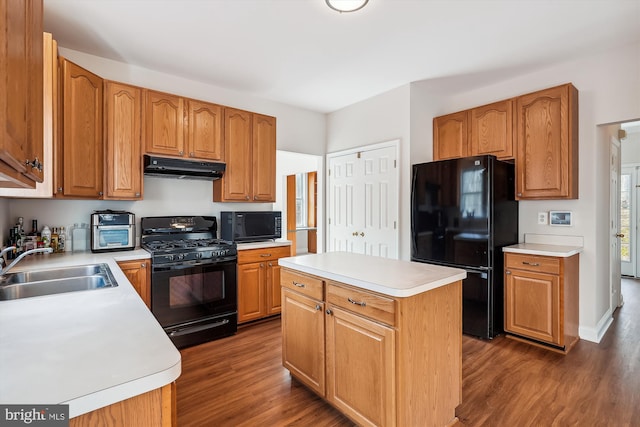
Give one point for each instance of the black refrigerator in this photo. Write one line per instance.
(463, 211)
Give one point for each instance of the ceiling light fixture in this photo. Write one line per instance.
(346, 5)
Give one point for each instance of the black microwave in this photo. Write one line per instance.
(250, 226)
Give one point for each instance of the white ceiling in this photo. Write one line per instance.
(302, 53)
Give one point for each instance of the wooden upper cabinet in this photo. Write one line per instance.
(450, 136)
(491, 130)
(21, 86)
(264, 158)
(82, 148)
(547, 138)
(123, 127)
(205, 130)
(235, 185)
(164, 124)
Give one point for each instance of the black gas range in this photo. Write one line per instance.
(193, 278)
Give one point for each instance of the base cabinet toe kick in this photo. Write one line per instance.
(380, 360)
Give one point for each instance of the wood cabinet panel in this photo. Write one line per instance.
(205, 134)
(450, 136)
(264, 254)
(164, 124)
(273, 292)
(308, 285)
(139, 274)
(361, 368)
(547, 129)
(533, 305)
(156, 408)
(236, 183)
(303, 337)
(123, 129)
(365, 303)
(540, 264)
(491, 130)
(264, 158)
(21, 86)
(251, 291)
(82, 148)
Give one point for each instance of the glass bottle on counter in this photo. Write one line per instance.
(62, 239)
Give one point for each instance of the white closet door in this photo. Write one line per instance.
(364, 201)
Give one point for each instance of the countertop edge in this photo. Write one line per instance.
(544, 250)
(100, 399)
(363, 284)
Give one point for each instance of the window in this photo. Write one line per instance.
(301, 200)
(472, 192)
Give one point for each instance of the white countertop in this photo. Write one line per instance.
(259, 245)
(88, 349)
(548, 245)
(390, 277)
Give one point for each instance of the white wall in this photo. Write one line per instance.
(382, 118)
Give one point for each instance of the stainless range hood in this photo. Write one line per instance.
(182, 168)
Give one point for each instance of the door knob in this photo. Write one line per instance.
(620, 235)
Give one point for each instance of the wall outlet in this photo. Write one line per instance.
(542, 218)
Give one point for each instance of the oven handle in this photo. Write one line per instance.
(189, 264)
(193, 329)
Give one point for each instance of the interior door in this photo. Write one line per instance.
(614, 215)
(363, 202)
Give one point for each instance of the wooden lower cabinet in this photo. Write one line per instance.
(259, 282)
(139, 274)
(156, 408)
(541, 299)
(381, 361)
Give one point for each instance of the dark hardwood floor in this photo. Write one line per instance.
(240, 381)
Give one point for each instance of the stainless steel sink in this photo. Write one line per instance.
(55, 281)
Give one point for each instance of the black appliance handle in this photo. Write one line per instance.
(182, 265)
(193, 329)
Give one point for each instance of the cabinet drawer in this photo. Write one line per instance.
(307, 285)
(263, 254)
(543, 264)
(373, 306)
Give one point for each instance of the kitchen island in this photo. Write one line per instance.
(379, 339)
(89, 349)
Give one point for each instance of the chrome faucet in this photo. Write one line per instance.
(4, 271)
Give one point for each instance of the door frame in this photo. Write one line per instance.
(633, 170)
(615, 278)
(395, 144)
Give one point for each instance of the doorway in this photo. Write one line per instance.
(629, 136)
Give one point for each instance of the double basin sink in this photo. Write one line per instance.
(55, 281)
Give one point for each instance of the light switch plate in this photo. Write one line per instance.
(542, 218)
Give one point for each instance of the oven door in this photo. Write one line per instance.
(191, 292)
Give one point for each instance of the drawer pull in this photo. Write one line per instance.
(265, 255)
(361, 303)
(532, 264)
(299, 285)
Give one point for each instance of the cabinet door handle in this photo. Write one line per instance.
(329, 312)
(143, 265)
(261, 265)
(532, 264)
(318, 308)
(270, 264)
(299, 285)
(265, 255)
(360, 303)
(507, 272)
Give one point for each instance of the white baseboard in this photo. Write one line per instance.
(596, 334)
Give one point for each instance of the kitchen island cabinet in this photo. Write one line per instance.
(379, 339)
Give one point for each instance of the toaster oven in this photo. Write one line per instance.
(112, 231)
